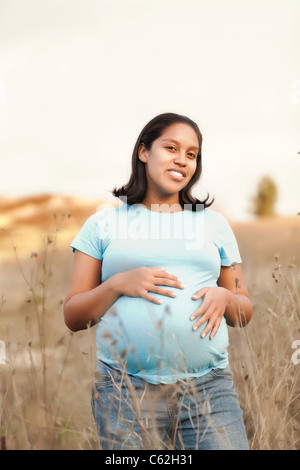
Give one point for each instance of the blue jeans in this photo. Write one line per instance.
(132, 414)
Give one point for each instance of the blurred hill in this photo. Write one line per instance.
(25, 221)
(38, 211)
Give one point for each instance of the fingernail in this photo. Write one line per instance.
(195, 327)
(194, 297)
(173, 294)
(202, 335)
(182, 285)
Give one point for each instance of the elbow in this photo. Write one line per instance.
(69, 318)
(240, 313)
(69, 324)
(248, 311)
(245, 315)
(74, 317)
(71, 327)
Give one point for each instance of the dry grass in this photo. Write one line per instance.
(46, 382)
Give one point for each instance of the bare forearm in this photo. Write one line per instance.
(86, 308)
(239, 309)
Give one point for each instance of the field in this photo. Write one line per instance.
(46, 379)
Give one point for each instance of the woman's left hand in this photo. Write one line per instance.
(212, 309)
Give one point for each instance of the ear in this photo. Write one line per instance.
(142, 152)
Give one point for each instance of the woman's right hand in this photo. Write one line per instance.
(139, 282)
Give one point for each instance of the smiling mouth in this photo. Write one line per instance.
(176, 175)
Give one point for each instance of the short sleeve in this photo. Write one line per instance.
(90, 238)
(226, 242)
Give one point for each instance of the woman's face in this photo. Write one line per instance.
(171, 162)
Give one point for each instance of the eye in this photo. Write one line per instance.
(192, 154)
(171, 147)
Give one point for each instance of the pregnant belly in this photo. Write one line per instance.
(154, 339)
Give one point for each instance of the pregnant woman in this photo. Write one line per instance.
(160, 275)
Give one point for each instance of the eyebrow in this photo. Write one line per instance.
(176, 142)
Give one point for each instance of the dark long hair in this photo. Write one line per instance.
(135, 189)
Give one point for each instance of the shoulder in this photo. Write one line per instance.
(223, 237)
(95, 233)
(218, 224)
(103, 214)
(98, 223)
(214, 217)
(107, 221)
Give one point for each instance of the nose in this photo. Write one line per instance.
(180, 158)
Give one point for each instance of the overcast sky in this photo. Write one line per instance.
(79, 79)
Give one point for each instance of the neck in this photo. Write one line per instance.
(159, 205)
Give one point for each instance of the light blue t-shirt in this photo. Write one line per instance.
(156, 341)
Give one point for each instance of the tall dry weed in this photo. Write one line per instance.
(46, 381)
(39, 381)
(261, 356)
